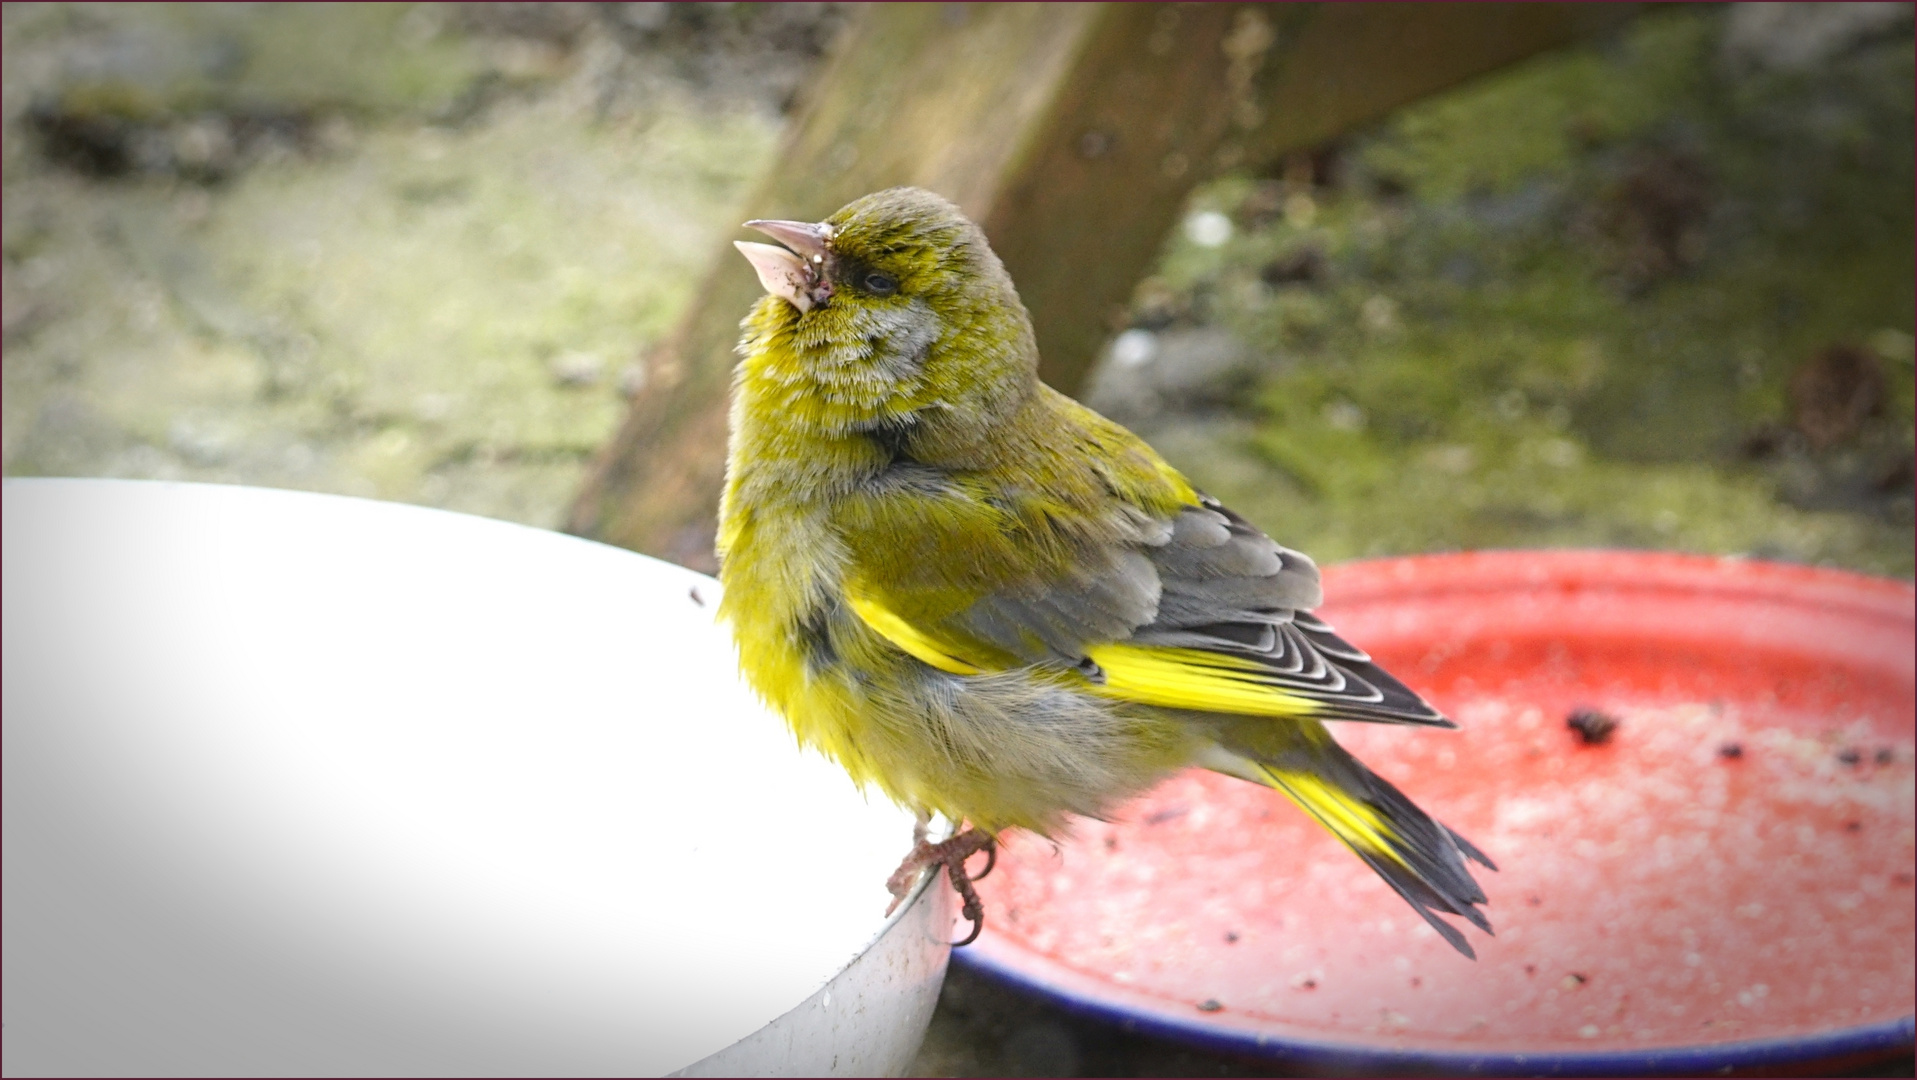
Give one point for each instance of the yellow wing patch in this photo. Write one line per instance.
(1167, 677)
(1171, 678)
(885, 623)
(1175, 678)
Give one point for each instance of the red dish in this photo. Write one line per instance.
(1725, 883)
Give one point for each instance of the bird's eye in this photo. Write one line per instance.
(881, 284)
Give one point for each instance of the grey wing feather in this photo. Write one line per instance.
(1210, 581)
(1057, 622)
(1227, 587)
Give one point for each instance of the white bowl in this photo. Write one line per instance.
(301, 784)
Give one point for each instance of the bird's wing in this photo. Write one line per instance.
(1234, 633)
(1205, 613)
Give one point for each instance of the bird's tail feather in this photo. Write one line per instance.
(1415, 854)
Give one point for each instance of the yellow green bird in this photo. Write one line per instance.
(999, 606)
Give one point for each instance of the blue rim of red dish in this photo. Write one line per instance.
(1865, 1042)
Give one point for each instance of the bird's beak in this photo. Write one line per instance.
(797, 275)
(781, 272)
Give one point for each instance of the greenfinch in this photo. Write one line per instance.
(999, 606)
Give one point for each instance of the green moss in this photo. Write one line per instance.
(1511, 347)
(367, 59)
(391, 315)
(1537, 121)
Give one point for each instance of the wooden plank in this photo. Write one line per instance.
(1342, 65)
(1073, 133)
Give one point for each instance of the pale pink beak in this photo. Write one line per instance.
(796, 275)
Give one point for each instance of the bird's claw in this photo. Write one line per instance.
(950, 854)
(991, 860)
(971, 907)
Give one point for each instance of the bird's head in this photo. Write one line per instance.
(898, 306)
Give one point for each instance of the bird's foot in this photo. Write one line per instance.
(950, 854)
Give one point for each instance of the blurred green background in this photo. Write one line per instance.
(407, 252)
(1653, 291)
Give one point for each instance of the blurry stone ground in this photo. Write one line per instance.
(414, 253)
(1653, 292)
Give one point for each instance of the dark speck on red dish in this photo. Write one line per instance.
(1593, 728)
